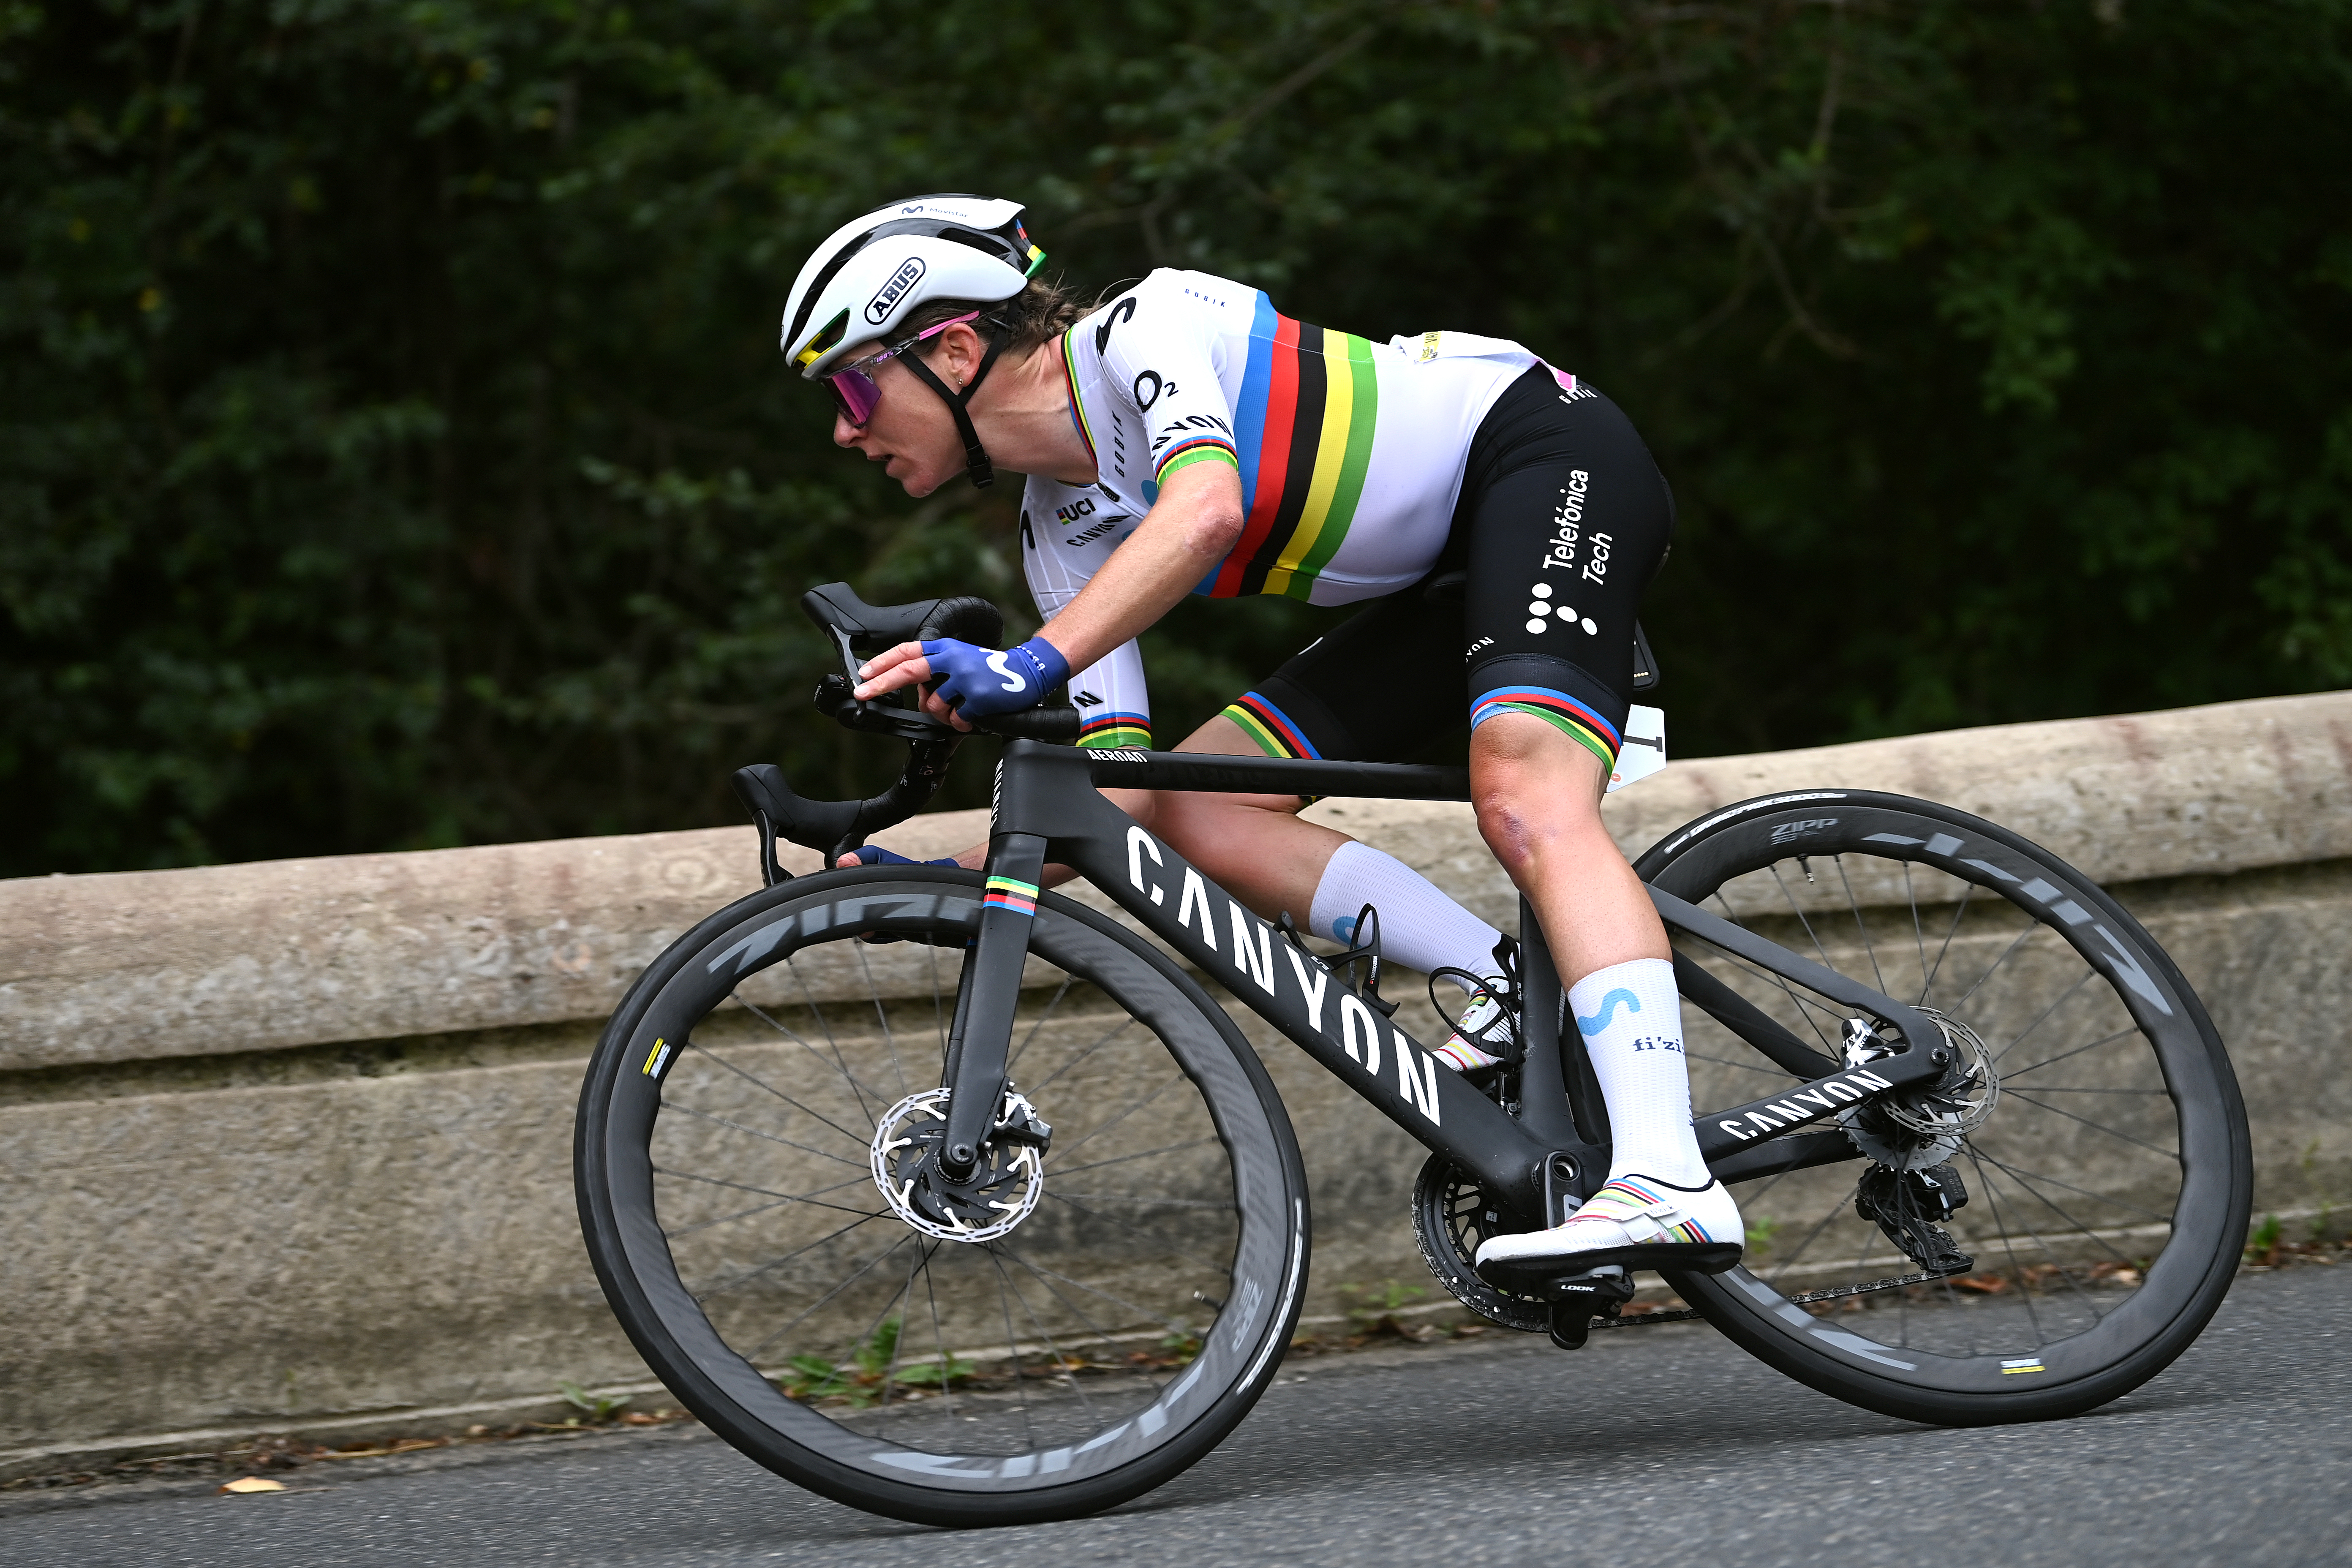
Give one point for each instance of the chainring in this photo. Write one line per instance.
(1452, 1214)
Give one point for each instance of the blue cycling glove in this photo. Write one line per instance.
(875, 854)
(982, 682)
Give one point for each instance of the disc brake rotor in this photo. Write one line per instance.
(1001, 1191)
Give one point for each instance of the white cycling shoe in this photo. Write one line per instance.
(1634, 1220)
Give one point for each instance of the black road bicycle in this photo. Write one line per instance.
(961, 1202)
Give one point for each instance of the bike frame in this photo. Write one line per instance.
(1541, 1162)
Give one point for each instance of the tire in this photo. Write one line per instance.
(736, 1212)
(2081, 1286)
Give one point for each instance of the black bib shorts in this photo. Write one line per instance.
(1562, 521)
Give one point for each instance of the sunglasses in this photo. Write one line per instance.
(854, 392)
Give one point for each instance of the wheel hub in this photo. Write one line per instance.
(1924, 1129)
(1002, 1190)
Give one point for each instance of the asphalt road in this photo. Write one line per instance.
(1654, 1446)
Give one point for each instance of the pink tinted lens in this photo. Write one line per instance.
(856, 394)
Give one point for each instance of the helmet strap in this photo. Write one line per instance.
(977, 467)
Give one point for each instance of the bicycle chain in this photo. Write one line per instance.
(1687, 1313)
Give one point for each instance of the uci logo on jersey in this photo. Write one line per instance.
(886, 300)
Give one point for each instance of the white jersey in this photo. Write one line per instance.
(1350, 454)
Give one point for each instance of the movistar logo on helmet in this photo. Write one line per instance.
(886, 300)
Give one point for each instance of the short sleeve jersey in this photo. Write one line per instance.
(1350, 454)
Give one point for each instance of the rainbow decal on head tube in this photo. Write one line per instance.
(1581, 723)
(1116, 731)
(1277, 734)
(1004, 893)
(1309, 401)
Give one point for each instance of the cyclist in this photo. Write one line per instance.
(1186, 437)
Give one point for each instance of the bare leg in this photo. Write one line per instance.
(1537, 795)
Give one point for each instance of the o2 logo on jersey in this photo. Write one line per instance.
(1144, 400)
(886, 300)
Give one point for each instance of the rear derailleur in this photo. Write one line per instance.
(1911, 1208)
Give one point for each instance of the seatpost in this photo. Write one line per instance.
(984, 1021)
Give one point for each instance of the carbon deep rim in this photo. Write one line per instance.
(897, 1410)
(2084, 1289)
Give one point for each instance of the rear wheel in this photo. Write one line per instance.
(1070, 1328)
(2036, 1241)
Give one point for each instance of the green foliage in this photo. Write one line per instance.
(873, 1370)
(393, 450)
(596, 1407)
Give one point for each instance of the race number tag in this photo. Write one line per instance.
(1645, 752)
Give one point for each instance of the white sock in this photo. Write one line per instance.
(1421, 928)
(1631, 1020)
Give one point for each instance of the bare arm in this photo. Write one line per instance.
(1190, 528)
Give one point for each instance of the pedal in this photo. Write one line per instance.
(1575, 1300)
(1910, 1207)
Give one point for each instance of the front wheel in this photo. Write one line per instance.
(1070, 1328)
(2054, 1228)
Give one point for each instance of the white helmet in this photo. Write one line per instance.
(874, 271)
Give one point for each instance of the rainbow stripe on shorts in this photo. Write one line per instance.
(1004, 893)
(1578, 721)
(1273, 730)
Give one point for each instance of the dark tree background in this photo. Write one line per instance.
(394, 451)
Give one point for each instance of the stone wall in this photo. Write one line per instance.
(285, 1146)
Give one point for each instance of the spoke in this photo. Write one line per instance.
(1804, 1017)
(1110, 1346)
(939, 1336)
(2078, 1050)
(872, 1326)
(939, 1013)
(770, 1137)
(2095, 1127)
(779, 1262)
(1918, 934)
(2016, 1269)
(1862, 930)
(2080, 1228)
(694, 1045)
(1170, 1324)
(2007, 953)
(1116, 1031)
(1138, 1105)
(841, 1063)
(755, 1209)
(881, 1014)
(2064, 996)
(898, 1340)
(766, 1192)
(1061, 1362)
(1775, 869)
(2047, 1088)
(1968, 891)
(1012, 1349)
(2019, 1174)
(1140, 1231)
(1145, 1154)
(857, 1087)
(1061, 991)
(1156, 1202)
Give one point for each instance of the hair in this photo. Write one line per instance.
(1041, 312)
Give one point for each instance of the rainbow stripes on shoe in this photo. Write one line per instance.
(1581, 723)
(1004, 893)
(1629, 1201)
